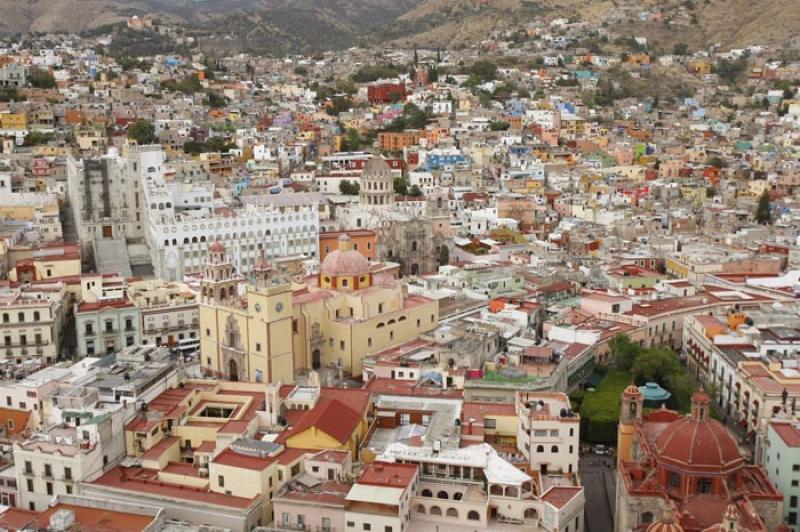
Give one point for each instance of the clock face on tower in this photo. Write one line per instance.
(279, 307)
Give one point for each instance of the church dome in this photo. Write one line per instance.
(345, 268)
(697, 443)
(665, 524)
(376, 169)
(216, 247)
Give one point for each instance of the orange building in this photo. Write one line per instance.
(363, 240)
(391, 141)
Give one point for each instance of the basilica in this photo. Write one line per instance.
(686, 473)
(271, 327)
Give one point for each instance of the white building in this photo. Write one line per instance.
(548, 432)
(782, 463)
(181, 225)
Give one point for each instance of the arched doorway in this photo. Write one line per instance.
(316, 359)
(415, 269)
(531, 514)
(233, 370)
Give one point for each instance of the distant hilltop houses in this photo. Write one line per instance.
(137, 23)
(546, 281)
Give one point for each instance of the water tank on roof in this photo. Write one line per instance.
(62, 520)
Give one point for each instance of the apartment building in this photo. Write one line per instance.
(32, 322)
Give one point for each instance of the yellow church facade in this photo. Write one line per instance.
(246, 339)
(334, 319)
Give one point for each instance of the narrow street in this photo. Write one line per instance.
(599, 481)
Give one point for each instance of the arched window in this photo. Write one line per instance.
(473, 516)
(442, 495)
(420, 509)
(540, 448)
(457, 496)
(435, 510)
(427, 493)
(452, 512)
(554, 449)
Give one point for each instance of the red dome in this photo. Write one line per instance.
(699, 444)
(216, 247)
(665, 524)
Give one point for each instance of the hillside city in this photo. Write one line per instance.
(547, 281)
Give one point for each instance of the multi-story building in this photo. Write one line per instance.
(169, 312)
(32, 322)
(381, 497)
(782, 463)
(548, 432)
(182, 225)
(55, 461)
(13, 76)
(106, 319)
(105, 194)
(475, 488)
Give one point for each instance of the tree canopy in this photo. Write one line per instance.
(143, 132)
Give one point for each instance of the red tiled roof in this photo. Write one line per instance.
(17, 519)
(91, 519)
(141, 480)
(559, 496)
(387, 474)
(332, 417)
(788, 432)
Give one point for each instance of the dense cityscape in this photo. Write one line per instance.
(544, 281)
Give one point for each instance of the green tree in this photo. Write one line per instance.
(415, 191)
(764, 211)
(349, 188)
(41, 79)
(143, 132)
(215, 100)
(680, 48)
(400, 186)
(716, 162)
(499, 125)
(624, 351)
(352, 141)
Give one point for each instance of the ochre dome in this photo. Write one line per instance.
(344, 261)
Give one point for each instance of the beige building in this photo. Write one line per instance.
(170, 313)
(31, 322)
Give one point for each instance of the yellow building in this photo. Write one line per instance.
(334, 319)
(630, 414)
(14, 121)
(351, 312)
(246, 339)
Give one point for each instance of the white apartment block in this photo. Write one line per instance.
(548, 432)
